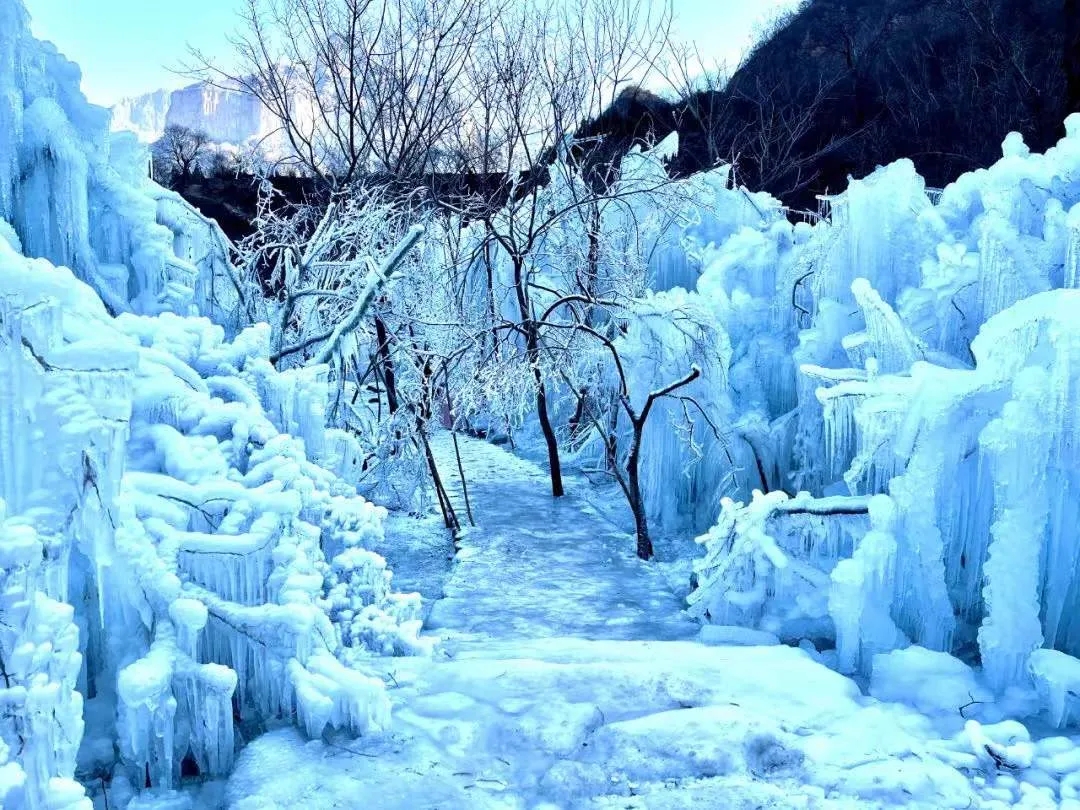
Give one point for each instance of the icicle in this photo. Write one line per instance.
(147, 708)
(1072, 251)
(887, 339)
(862, 594)
(205, 698)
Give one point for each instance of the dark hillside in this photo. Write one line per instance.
(846, 85)
(836, 90)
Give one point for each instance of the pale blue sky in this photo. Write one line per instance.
(126, 47)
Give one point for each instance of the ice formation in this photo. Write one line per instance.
(180, 544)
(929, 414)
(79, 197)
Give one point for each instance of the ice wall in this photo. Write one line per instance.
(180, 548)
(934, 346)
(168, 549)
(80, 197)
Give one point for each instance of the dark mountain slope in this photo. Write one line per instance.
(846, 85)
(836, 90)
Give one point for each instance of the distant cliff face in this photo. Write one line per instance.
(227, 116)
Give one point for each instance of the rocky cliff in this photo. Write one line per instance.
(227, 116)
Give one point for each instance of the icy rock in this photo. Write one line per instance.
(1014, 146)
(933, 682)
(1057, 679)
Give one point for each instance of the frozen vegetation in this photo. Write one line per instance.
(871, 421)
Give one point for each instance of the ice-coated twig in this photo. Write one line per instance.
(378, 277)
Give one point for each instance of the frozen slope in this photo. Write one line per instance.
(516, 576)
(567, 684)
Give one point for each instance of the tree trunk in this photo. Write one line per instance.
(637, 503)
(532, 355)
(550, 439)
(387, 363)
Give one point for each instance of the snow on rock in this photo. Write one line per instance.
(226, 116)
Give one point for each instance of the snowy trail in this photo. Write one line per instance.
(564, 679)
(539, 567)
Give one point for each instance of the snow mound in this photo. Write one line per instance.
(568, 723)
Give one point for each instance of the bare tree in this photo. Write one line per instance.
(358, 86)
(179, 152)
(533, 92)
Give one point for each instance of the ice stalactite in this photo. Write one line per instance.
(52, 215)
(147, 713)
(1057, 679)
(1072, 252)
(875, 222)
(161, 533)
(200, 525)
(1002, 281)
(163, 542)
(39, 666)
(862, 592)
(886, 339)
(205, 692)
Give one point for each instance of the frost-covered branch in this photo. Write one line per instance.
(377, 278)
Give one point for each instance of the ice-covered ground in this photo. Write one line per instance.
(568, 676)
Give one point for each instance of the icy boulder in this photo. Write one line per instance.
(935, 683)
(1057, 680)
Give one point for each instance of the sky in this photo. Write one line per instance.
(129, 47)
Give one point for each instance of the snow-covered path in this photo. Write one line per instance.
(564, 679)
(539, 567)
